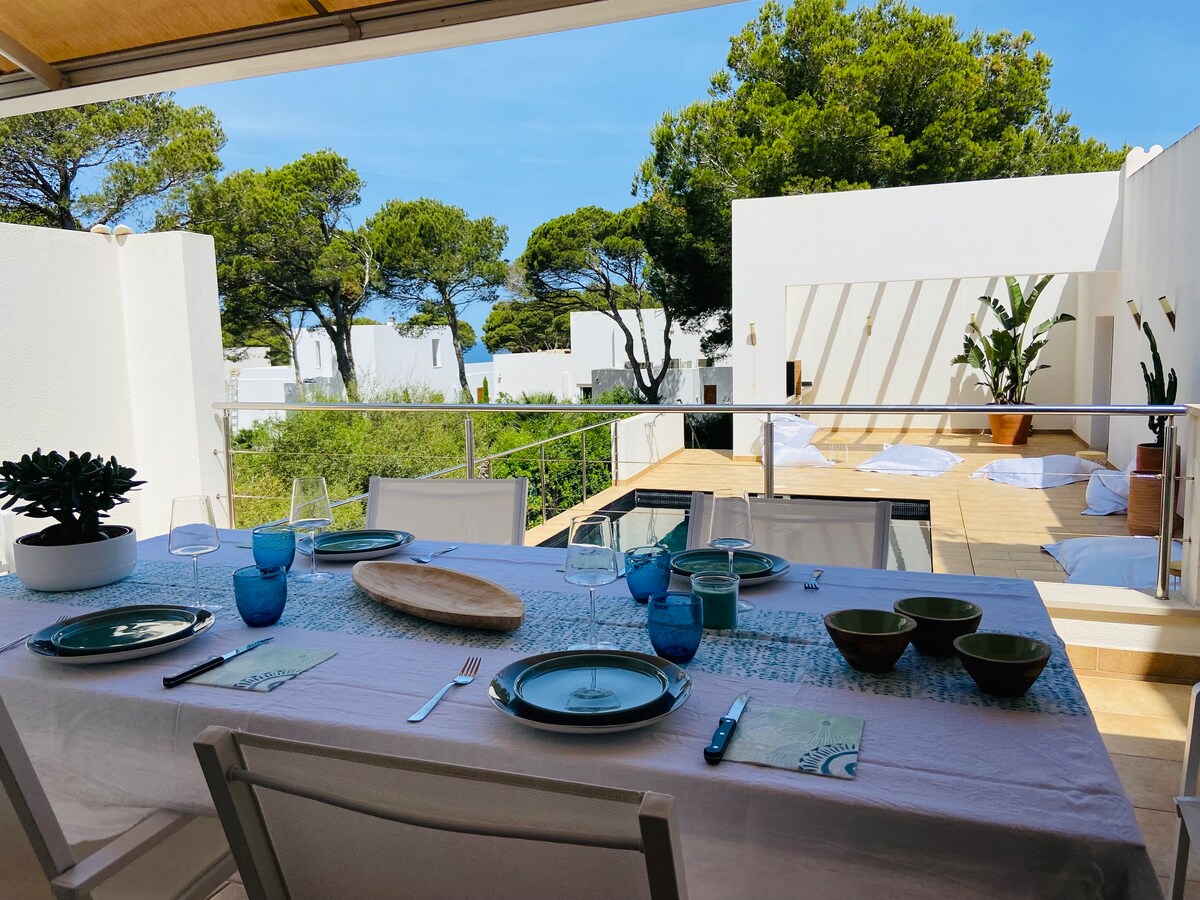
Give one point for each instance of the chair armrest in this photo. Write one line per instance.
(117, 854)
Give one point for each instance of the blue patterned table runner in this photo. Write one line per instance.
(786, 646)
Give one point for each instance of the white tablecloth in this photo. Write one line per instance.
(952, 799)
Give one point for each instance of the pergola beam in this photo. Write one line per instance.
(38, 68)
(378, 32)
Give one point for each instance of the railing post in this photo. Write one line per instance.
(469, 440)
(768, 457)
(227, 433)
(614, 450)
(542, 487)
(1166, 525)
(583, 442)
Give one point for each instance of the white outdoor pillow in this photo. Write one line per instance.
(792, 445)
(904, 459)
(1108, 492)
(1130, 562)
(1038, 472)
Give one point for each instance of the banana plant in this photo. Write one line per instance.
(1007, 358)
(1160, 391)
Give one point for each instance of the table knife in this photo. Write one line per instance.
(720, 740)
(208, 664)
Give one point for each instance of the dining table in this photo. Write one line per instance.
(956, 794)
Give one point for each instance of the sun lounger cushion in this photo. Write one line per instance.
(1130, 562)
(903, 459)
(1108, 492)
(793, 441)
(1039, 472)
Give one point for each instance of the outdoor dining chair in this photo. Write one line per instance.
(809, 531)
(309, 822)
(1187, 803)
(478, 510)
(167, 854)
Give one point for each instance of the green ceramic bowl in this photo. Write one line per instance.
(1006, 665)
(871, 640)
(939, 621)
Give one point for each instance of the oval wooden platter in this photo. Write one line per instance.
(441, 595)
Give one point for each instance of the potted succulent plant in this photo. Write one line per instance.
(77, 551)
(1145, 490)
(1007, 358)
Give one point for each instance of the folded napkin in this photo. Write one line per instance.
(264, 668)
(800, 739)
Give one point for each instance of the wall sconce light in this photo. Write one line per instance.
(972, 321)
(1133, 310)
(753, 335)
(122, 231)
(1166, 307)
(100, 229)
(869, 323)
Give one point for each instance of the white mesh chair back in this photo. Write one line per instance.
(475, 510)
(809, 532)
(1187, 803)
(194, 876)
(308, 822)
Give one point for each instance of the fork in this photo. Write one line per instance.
(469, 670)
(429, 559)
(811, 583)
(23, 638)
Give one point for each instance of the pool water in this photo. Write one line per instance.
(643, 517)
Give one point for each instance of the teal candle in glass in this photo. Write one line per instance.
(718, 592)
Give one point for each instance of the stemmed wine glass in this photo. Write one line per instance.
(591, 561)
(310, 511)
(731, 528)
(194, 533)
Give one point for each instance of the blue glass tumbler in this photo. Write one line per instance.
(273, 545)
(675, 621)
(647, 571)
(260, 593)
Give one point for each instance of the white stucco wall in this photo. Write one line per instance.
(599, 343)
(114, 346)
(559, 373)
(807, 271)
(646, 439)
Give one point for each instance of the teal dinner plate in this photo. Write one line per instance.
(114, 630)
(42, 644)
(369, 543)
(584, 686)
(648, 689)
(749, 565)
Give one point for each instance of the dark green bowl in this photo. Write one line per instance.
(939, 621)
(871, 640)
(1006, 665)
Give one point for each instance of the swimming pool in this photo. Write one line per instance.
(642, 517)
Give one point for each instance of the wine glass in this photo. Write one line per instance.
(310, 511)
(731, 528)
(194, 533)
(591, 561)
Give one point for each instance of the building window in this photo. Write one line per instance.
(585, 391)
(437, 353)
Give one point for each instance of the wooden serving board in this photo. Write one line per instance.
(441, 595)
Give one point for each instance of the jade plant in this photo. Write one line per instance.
(1007, 358)
(76, 491)
(1160, 390)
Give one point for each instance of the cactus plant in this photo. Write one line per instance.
(1160, 390)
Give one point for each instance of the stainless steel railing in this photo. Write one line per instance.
(1170, 442)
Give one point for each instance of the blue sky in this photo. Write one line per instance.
(530, 129)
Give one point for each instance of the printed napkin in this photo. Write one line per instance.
(264, 668)
(803, 739)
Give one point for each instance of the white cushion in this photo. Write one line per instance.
(792, 445)
(904, 459)
(1130, 562)
(1108, 492)
(1038, 472)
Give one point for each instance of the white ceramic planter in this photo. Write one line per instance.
(76, 566)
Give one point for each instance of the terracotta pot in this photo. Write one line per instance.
(73, 567)
(1149, 458)
(1010, 429)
